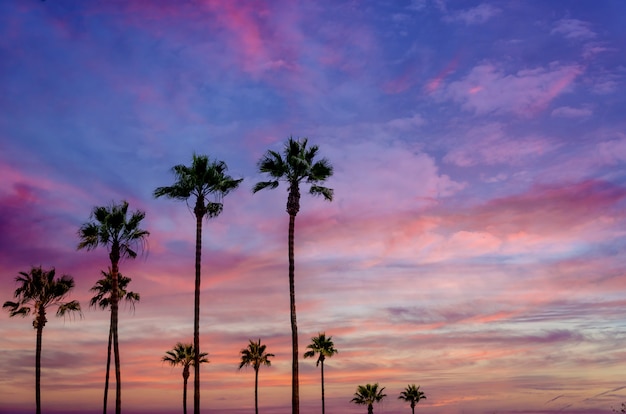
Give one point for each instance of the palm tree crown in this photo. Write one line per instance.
(321, 346)
(111, 228)
(102, 290)
(201, 180)
(254, 355)
(368, 395)
(184, 355)
(413, 395)
(37, 291)
(297, 164)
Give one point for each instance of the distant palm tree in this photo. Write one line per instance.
(368, 395)
(324, 348)
(256, 356)
(201, 180)
(102, 299)
(297, 164)
(37, 291)
(184, 354)
(413, 395)
(111, 227)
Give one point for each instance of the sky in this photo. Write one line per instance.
(474, 246)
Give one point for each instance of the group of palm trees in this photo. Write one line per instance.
(204, 183)
(370, 394)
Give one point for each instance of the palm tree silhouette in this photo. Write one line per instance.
(256, 356)
(297, 164)
(102, 299)
(324, 348)
(38, 290)
(413, 395)
(111, 227)
(201, 180)
(184, 354)
(368, 395)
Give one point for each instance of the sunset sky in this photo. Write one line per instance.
(475, 246)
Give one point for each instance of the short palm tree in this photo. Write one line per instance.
(324, 348)
(256, 356)
(38, 290)
(297, 164)
(413, 395)
(111, 227)
(184, 354)
(102, 299)
(368, 395)
(202, 180)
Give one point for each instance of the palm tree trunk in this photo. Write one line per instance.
(40, 324)
(295, 391)
(370, 408)
(115, 255)
(256, 391)
(185, 378)
(196, 316)
(106, 378)
(323, 409)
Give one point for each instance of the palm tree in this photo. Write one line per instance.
(37, 291)
(111, 227)
(184, 354)
(256, 356)
(324, 348)
(102, 299)
(368, 395)
(297, 164)
(413, 395)
(202, 179)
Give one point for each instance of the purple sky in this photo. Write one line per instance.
(475, 245)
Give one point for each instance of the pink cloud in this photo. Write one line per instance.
(569, 112)
(476, 15)
(491, 144)
(487, 90)
(573, 29)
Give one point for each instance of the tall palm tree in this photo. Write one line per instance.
(102, 299)
(295, 165)
(324, 348)
(368, 395)
(184, 354)
(38, 290)
(256, 356)
(111, 227)
(202, 180)
(413, 395)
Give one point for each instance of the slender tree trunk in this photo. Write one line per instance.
(370, 409)
(106, 378)
(196, 316)
(323, 408)
(185, 378)
(295, 389)
(413, 408)
(256, 391)
(41, 320)
(115, 256)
